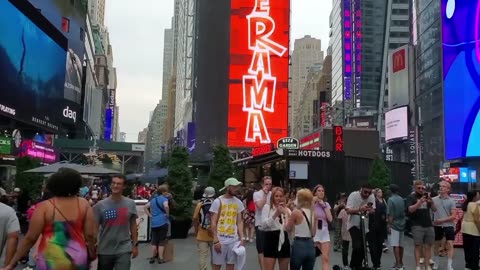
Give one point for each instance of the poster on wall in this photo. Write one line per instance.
(259, 63)
(142, 221)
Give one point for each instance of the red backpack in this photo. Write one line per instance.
(251, 206)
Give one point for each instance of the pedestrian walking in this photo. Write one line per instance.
(118, 237)
(227, 226)
(275, 216)
(249, 216)
(420, 206)
(471, 230)
(360, 202)
(337, 236)
(158, 210)
(323, 216)
(378, 229)
(9, 231)
(65, 223)
(202, 223)
(443, 222)
(260, 198)
(396, 225)
(346, 239)
(301, 221)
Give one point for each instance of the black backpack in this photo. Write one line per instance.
(205, 216)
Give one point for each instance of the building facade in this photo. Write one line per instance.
(426, 37)
(96, 10)
(397, 29)
(357, 40)
(307, 53)
(185, 22)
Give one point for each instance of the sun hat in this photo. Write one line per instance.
(231, 182)
(209, 192)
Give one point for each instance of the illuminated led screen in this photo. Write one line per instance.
(347, 53)
(258, 91)
(461, 77)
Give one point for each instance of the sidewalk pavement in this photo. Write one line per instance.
(186, 257)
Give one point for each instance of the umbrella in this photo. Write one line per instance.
(134, 176)
(154, 176)
(53, 168)
(83, 169)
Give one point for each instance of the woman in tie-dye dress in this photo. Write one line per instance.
(65, 225)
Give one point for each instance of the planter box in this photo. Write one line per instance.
(180, 228)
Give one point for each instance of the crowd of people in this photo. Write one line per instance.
(290, 228)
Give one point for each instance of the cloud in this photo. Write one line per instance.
(136, 34)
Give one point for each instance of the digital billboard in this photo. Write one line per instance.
(396, 124)
(461, 77)
(398, 79)
(69, 17)
(32, 65)
(259, 62)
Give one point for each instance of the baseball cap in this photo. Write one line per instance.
(231, 182)
(16, 189)
(209, 192)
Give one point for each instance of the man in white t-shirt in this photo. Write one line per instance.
(227, 226)
(260, 198)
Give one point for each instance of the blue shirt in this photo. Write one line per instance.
(159, 216)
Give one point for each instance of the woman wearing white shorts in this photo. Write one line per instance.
(323, 216)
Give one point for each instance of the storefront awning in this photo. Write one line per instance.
(261, 159)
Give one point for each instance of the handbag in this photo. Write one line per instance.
(318, 252)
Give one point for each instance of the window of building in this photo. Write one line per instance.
(65, 25)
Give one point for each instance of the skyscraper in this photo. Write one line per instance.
(429, 90)
(307, 52)
(357, 40)
(96, 11)
(397, 30)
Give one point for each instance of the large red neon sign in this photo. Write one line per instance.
(258, 94)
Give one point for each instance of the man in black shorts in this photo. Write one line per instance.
(443, 220)
(158, 210)
(260, 198)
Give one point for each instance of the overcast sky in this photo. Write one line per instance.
(136, 33)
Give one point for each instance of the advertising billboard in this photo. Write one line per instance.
(32, 64)
(44, 152)
(461, 77)
(347, 49)
(398, 69)
(5, 145)
(69, 17)
(396, 124)
(259, 62)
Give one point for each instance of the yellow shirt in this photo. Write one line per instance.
(468, 226)
(202, 235)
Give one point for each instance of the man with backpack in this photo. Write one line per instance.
(202, 224)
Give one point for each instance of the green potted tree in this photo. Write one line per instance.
(180, 185)
(29, 183)
(379, 174)
(222, 167)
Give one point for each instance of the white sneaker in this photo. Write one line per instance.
(422, 260)
(28, 268)
(418, 268)
(432, 262)
(435, 266)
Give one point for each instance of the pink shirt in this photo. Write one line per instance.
(321, 214)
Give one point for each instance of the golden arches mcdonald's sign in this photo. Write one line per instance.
(399, 60)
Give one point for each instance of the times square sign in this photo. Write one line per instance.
(264, 87)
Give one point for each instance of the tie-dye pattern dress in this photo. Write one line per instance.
(62, 246)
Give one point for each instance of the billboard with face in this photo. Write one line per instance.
(259, 60)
